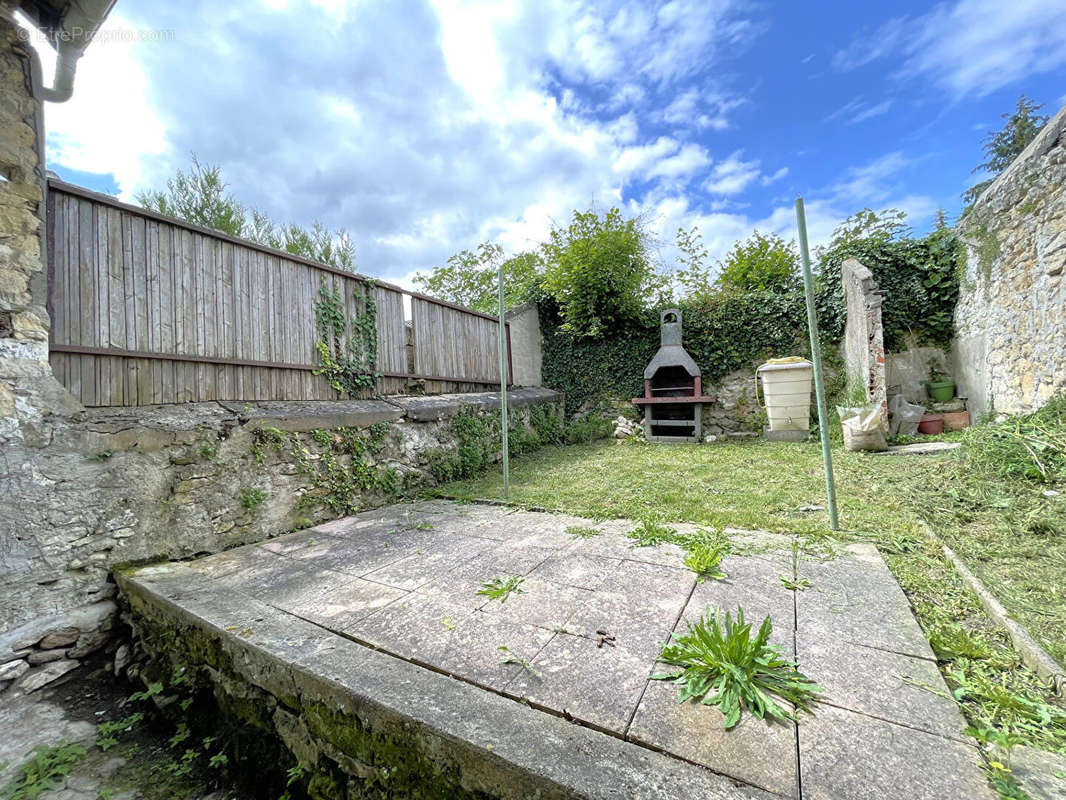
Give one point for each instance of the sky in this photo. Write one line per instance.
(424, 128)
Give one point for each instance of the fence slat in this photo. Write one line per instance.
(152, 310)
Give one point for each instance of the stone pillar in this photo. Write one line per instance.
(864, 343)
(526, 343)
(27, 388)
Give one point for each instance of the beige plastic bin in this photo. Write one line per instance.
(786, 388)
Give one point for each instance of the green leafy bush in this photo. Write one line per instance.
(722, 665)
(761, 263)
(598, 271)
(919, 279)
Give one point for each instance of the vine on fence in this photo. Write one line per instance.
(349, 363)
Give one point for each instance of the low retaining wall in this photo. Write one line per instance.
(122, 486)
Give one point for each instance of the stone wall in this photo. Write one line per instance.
(119, 486)
(1009, 323)
(864, 342)
(908, 370)
(526, 344)
(27, 386)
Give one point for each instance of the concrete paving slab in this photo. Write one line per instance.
(640, 625)
(415, 627)
(598, 686)
(897, 688)
(542, 603)
(475, 649)
(418, 602)
(414, 571)
(573, 569)
(330, 598)
(1042, 775)
(856, 598)
(848, 756)
(757, 752)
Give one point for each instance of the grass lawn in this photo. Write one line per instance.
(1010, 532)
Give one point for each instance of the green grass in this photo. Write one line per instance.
(1008, 531)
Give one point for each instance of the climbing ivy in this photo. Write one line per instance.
(349, 363)
(723, 332)
(919, 279)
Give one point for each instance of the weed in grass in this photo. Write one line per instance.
(583, 531)
(44, 771)
(722, 665)
(514, 658)
(651, 534)
(500, 588)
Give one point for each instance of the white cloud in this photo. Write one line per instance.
(733, 175)
(969, 47)
(858, 110)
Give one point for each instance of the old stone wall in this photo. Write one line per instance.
(27, 386)
(864, 342)
(120, 486)
(1010, 326)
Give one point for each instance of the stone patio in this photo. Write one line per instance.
(385, 605)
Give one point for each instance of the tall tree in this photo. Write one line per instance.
(760, 263)
(201, 196)
(599, 271)
(471, 278)
(1003, 146)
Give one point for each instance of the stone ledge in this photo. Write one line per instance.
(444, 406)
(495, 746)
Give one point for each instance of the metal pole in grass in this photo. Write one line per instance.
(503, 395)
(816, 357)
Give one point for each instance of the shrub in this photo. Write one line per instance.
(598, 271)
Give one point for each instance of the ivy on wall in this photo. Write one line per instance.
(723, 333)
(919, 280)
(349, 362)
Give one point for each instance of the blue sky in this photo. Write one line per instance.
(428, 127)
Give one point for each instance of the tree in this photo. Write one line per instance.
(599, 271)
(693, 274)
(471, 278)
(1003, 146)
(760, 263)
(200, 196)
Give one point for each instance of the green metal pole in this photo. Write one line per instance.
(503, 396)
(816, 357)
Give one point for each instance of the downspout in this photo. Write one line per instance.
(80, 23)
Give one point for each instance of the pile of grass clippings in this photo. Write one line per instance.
(1031, 446)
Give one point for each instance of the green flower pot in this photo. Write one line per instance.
(940, 391)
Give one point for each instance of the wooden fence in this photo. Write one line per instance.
(147, 309)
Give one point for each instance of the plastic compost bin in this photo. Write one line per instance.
(786, 389)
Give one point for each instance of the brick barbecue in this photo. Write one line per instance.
(673, 389)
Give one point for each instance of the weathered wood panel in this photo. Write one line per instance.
(148, 309)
